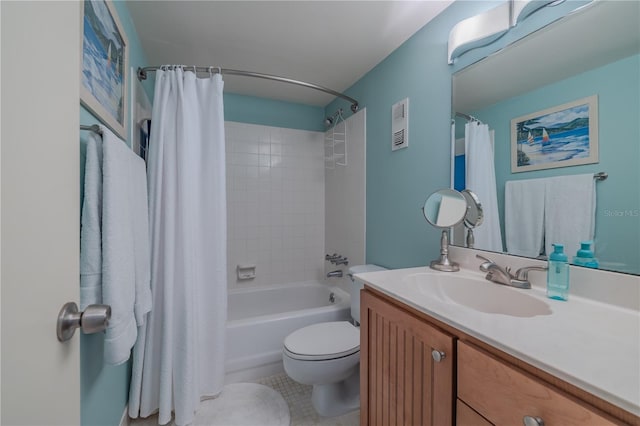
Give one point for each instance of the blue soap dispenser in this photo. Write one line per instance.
(585, 256)
(558, 274)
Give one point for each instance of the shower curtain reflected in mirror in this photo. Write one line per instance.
(179, 355)
(481, 179)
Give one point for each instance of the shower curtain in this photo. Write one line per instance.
(481, 179)
(179, 356)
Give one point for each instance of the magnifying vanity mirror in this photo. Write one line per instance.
(474, 216)
(563, 62)
(443, 209)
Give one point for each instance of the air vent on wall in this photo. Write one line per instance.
(400, 124)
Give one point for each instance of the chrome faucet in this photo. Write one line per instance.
(332, 257)
(336, 259)
(335, 274)
(500, 275)
(495, 272)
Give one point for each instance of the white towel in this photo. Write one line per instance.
(124, 240)
(91, 224)
(524, 216)
(570, 206)
(141, 239)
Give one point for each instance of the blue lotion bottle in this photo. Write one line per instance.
(585, 256)
(558, 274)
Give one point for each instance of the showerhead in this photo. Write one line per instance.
(330, 119)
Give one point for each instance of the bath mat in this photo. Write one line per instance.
(244, 404)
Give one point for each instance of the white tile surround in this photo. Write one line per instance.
(275, 203)
(345, 205)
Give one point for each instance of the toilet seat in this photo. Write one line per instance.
(323, 341)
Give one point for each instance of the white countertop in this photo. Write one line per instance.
(592, 345)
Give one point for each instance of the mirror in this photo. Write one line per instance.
(443, 209)
(474, 216)
(565, 61)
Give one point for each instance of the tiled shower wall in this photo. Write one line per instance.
(345, 200)
(275, 203)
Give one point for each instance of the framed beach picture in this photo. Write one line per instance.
(104, 65)
(561, 136)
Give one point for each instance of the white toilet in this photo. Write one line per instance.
(327, 356)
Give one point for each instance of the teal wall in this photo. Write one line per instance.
(104, 388)
(263, 111)
(617, 86)
(269, 112)
(399, 182)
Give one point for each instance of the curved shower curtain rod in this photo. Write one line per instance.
(142, 75)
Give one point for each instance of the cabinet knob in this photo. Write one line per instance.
(532, 421)
(437, 355)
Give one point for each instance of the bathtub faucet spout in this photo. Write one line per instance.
(335, 274)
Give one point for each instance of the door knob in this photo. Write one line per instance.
(94, 319)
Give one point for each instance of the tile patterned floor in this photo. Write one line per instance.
(298, 398)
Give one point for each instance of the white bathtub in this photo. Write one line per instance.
(260, 318)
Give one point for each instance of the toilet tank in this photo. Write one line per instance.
(356, 285)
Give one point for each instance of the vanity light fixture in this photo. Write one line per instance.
(523, 8)
(479, 30)
(487, 27)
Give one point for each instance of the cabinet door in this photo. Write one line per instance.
(401, 383)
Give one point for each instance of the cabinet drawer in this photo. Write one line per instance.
(504, 395)
(465, 416)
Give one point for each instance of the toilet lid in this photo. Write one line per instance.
(327, 340)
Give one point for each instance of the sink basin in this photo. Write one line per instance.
(477, 294)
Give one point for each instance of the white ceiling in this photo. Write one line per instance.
(330, 43)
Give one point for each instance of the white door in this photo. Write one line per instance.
(39, 152)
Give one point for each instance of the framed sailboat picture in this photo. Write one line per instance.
(103, 65)
(561, 136)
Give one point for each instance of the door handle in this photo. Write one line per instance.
(94, 319)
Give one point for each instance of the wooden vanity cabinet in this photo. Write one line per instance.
(406, 367)
(474, 384)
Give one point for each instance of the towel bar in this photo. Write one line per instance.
(600, 176)
(93, 128)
